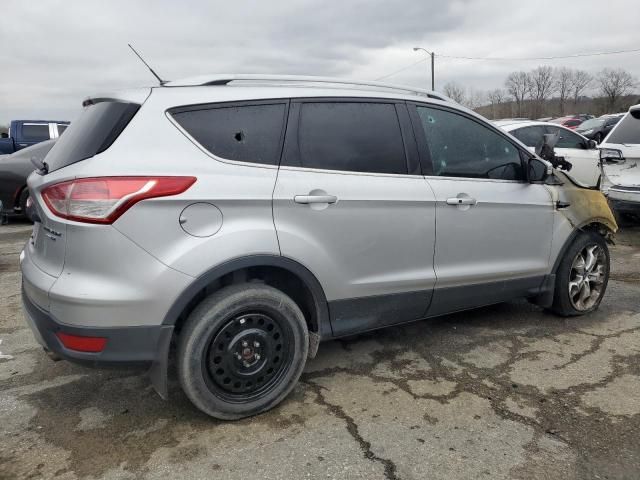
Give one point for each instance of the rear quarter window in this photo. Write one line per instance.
(93, 132)
(242, 132)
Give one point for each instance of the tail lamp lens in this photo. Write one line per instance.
(104, 199)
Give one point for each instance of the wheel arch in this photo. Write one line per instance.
(602, 227)
(284, 273)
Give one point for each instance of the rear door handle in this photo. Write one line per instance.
(306, 199)
(461, 201)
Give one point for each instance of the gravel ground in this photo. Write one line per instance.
(506, 391)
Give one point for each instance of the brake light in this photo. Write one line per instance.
(104, 199)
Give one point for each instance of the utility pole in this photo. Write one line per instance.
(433, 56)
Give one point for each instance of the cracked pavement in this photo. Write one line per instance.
(506, 391)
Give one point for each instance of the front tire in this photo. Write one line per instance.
(242, 350)
(582, 276)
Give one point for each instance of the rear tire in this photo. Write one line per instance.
(582, 276)
(242, 350)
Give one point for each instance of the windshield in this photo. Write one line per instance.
(593, 123)
(627, 131)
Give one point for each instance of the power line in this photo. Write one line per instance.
(402, 69)
(575, 55)
(507, 59)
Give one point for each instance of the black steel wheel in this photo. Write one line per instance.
(242, 350)
(247, 356)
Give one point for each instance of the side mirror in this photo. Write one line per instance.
(538, 170)
(611, 155)
(591, 145)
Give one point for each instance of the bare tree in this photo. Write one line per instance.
(580, 80)
(541, 86)
(517, 84)
(563, 81)
(455, 92)
(615, 84)
(496, 98)
(474, 98)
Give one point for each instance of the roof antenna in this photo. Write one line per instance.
(162, 82)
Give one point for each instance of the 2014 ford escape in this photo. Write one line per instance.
(246, 218)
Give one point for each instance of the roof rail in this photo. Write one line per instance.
(208, 80)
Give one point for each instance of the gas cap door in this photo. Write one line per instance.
(201, 219)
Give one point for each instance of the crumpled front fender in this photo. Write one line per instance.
(582, 206)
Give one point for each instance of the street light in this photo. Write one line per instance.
(432, 55)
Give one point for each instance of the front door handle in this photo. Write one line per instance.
(461, 201)
(306, 199)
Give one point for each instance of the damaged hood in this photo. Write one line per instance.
(581, 206)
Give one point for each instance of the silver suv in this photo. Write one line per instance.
(244, 219)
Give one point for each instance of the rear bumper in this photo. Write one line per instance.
(125, 346)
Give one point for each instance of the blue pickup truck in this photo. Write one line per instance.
(24, 133)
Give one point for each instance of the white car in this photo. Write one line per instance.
(620, 153)
(581, 152)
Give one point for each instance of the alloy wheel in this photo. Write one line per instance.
(587, 277)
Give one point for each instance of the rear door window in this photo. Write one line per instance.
(351, 136)
(35, 132)
(245, 133)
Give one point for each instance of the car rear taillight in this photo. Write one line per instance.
(104, 199)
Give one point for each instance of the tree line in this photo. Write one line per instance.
(546, 92)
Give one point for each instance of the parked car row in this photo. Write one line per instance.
(614, 166)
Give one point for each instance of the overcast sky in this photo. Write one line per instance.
(54, 53)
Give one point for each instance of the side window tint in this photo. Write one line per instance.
(461, 147)
(355, 137)
(530, 136)
(61, 128)
(247, 133)
(35, 131)
(567, 139)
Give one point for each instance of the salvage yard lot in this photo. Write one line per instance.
(506, 391)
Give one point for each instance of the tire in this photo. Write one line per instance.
(598, 138)
(242, 350)
(24, 196)
(576, 276)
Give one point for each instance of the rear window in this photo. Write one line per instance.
(35, 132)
(93, 132)
(246, 133)
(626, 131)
